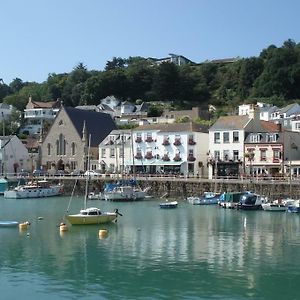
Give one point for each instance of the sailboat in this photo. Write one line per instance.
(91, 215)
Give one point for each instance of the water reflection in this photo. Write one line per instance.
(210, 249)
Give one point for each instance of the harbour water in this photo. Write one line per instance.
(192, 252)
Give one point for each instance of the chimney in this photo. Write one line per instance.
(254, 112)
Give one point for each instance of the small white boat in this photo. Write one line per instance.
(124, 193)
(167, 204)
(271, 206)
(95, 196)
(206, 199)
(35, 189)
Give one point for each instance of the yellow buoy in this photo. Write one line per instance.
(63, 227)
(103, 233)
(24, 225)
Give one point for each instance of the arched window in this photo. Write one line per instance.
(61, 145)
(73, 148)
(49, 149)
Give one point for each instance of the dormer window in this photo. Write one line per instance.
(255, 137)
(60, 122)
(272, 137)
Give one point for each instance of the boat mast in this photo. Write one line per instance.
(87, 177)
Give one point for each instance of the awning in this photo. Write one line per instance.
(153, 162)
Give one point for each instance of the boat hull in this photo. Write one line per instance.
(80, 219)
(33, 192)
(274, 207)
(168, 205)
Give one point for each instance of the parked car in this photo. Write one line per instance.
(91, 173)
(39, 173)
(77, 173)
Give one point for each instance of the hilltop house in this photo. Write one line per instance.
(39, 116)
(66, 144)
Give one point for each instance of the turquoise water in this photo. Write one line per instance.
(192, 252)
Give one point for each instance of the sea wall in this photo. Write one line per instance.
(184, 187)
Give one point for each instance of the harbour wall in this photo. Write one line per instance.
(185, 187)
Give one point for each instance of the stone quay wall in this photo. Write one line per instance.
(185, 187)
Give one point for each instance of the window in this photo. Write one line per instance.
(217, 155)
(272, 137)
(255, 137)
(263, 154)
(235, 155)
(225, 137)
(217, 138)
(226, 154)
(297, 126)
(73, 148)
(61, 145)
(235, 136)
(112, 152)
(49, 149)
(276, 155)
(103, 153)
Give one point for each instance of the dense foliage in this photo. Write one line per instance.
(273, 77)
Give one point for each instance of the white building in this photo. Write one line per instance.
(113, 151)
(5, 111)
(265, 110)
(178, 148)
(13, 155)
(39, 116)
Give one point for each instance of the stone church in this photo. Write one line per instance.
(65, 147)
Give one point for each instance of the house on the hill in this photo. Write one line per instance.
(66, 145)
(39, 116)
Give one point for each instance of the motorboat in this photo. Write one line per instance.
(206, 199)
(91, 216)
(95, 196)
(167, 204)
(123, 191)
(251, 201)
(9, 223)
(295, 207)
(271, 206)
(35, 189)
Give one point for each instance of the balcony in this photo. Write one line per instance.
(166, 142)
(191, 142)
(138, 156)
(165, 157)
(177, 142)
(149, 155)
(191, 157)
(138, 139)
(177, 157)
(149, 139)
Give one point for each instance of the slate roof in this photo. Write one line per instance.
(174, 127)
(288, 107)
(230, 123)
(98, 124)
(264, 139)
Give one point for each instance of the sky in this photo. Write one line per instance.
(40, 37)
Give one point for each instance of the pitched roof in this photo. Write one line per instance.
(230, 123)
(288, 107)
(97, 124)
(174, 127)
(269, 126)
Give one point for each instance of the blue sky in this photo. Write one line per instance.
(39, 37)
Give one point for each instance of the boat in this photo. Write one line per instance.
(295, 207)
(167, 204)
(207, 198)
(9, 223)
(125, 190)
(230, 199)
(271, 206)
(95, 196)
(35, 189)
(251, 201)
(91, 215)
